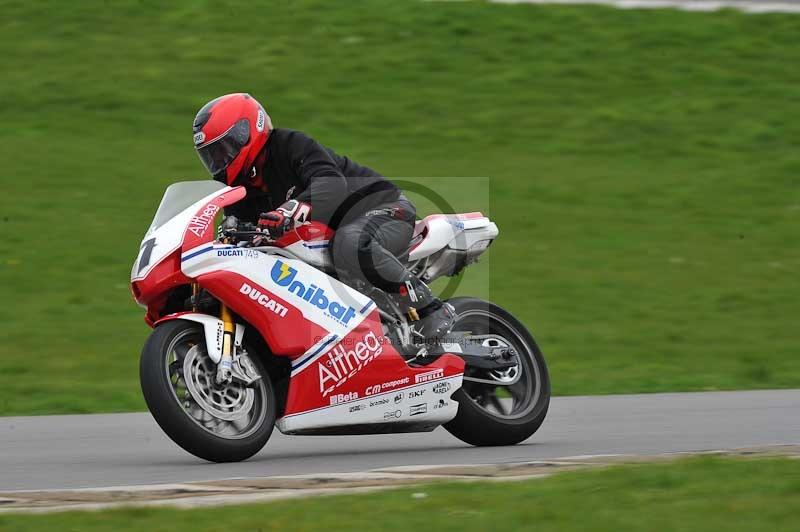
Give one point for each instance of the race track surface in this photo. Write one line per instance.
(129, 449)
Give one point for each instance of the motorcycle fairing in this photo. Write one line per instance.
(310, 243)
(186, 229)
(334, 338)
(156, 270)
(291, 304)
(380, 394)
(361, 381)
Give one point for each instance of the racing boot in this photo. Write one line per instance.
(429, 315)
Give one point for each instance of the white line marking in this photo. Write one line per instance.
(746, 6)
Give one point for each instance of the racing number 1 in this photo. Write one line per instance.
(146, 252)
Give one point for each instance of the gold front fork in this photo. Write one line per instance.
(195, 296)
(228, 331)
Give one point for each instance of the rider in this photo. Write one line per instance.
(291, 178)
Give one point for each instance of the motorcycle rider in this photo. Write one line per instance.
(291, 178)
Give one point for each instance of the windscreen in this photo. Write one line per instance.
(179, 196)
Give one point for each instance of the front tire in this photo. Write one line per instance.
(483, 418)
(218, 424)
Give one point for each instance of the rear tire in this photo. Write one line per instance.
(183, 420)
(475, 423)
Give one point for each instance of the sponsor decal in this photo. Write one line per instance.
(416, 410)
(398, 398)
(285, 276)
(441, 404)
(235, 252)
(441, 387)
(199, 138)
(220, 334)
(340, 398)
(263, 299)
(429, 376)
(377, 388)
(341, 364)
(356, 408)
(457, 225)
(395, 414)
(231, 252)
(199, 224)
(384, 401)
(260, 121)
(415, 393)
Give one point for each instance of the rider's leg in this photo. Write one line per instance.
(367, 248)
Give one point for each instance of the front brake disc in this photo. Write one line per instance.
(229, 402)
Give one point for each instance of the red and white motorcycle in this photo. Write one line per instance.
(245, 338)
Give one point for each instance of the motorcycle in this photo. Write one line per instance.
(248, 337)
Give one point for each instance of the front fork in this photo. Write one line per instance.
(228, 331)
(224, 374)
(233, 362)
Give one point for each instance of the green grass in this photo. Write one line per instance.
(643, 164)
(696, 495)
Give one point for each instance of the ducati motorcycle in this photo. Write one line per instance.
(246, 338)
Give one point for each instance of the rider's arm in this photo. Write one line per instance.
(325, 186)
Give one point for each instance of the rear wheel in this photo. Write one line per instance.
(225, 423)
(499, 408)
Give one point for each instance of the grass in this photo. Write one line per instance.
(698, 495)
(643, 170)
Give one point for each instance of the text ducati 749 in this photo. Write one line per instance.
(248, 338)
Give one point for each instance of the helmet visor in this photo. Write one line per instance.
(218, 154)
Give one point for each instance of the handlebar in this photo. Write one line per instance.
(245, 238)
(244, 234)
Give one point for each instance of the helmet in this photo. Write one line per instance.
(229, 132)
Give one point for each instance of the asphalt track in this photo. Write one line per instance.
(129, 449)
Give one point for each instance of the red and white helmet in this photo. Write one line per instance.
(229, 132)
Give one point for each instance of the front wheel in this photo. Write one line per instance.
(499, 408)
(225, 423)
